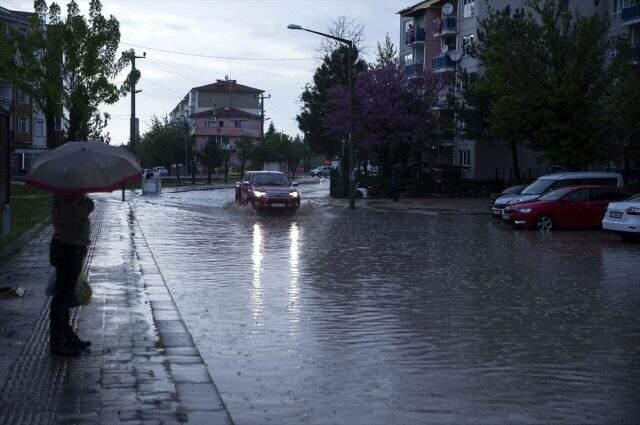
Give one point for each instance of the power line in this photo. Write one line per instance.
(175, 52)
(166, 66)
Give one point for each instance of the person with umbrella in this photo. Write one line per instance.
(70, 172)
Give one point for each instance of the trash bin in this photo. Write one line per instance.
(151, 184)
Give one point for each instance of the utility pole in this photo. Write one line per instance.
(133, 130)
(262, 98)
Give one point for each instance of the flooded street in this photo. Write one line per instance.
(366, 317)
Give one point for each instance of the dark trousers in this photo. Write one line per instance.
(67, 259)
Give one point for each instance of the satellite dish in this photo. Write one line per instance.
(444, 49)
(455, 55)
(447, 9)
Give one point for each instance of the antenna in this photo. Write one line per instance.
(447, 9)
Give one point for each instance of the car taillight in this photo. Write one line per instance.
(633, 211)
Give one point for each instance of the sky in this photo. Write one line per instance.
(230, 28)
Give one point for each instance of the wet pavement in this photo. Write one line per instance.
(400, 313)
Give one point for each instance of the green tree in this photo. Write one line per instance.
(244, 150)
(91, 62)
(554, 103)
(162, 144)
(211, 156)
(317, 95)
(386, 54)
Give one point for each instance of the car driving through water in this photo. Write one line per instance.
(268, 190)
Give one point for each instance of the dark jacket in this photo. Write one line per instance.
(70, 217)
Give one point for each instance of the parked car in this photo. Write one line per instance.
(161, 171)
(623, 218)
(322, 171)
(512, 190)
(268, 190)
(576, 207)
(550, 182)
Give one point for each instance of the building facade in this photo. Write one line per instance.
(434, 36)
(224, 111)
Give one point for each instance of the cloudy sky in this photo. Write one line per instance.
(230, 28)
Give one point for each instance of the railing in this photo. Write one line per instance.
(443, 136)
(447, 24)
(629, 13)
(415, 35)
(413, 69)
(442, 62)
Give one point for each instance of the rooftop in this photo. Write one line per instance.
(226, 86)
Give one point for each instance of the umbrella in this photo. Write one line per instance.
(83, 167)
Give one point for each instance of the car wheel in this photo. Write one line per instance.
(544, 223)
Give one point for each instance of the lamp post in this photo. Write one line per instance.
(349, 43)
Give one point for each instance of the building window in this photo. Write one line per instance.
(238, 124)
(23, 125)
(408, 59)
(222, 140)
(467, 42)
(23, 98)
(616, 7)
(464, 158)
(469, 7)
(39, 128)
(221, 124)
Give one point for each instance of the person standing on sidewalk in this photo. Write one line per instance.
(71, 237)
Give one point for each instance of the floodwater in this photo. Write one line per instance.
(367, 317)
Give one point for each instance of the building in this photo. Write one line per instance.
(433, 38)
(27, 125)
(224, 111)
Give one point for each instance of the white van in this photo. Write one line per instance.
(550, 182)
(160, 171)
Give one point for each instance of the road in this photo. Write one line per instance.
(375, 317)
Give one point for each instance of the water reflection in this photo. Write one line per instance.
(294, 270)
(257, 255)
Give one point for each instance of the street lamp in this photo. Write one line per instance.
(349, 43)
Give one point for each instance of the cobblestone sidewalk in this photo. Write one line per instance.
(143, 367)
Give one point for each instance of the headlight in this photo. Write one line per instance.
(514, 201)
(524, 210)
(258, 194)
(294, 194)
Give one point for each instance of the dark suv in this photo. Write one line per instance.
(267, 189)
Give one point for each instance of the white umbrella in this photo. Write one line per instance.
(84, 167)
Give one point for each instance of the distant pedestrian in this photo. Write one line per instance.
(396, 173)
(71, 237)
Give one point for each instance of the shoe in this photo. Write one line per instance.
(75, 339)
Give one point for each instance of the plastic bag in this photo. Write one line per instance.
(82, 292)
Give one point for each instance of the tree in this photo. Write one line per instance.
(317, 95)
(68, 63)
(91, 62)
(343, 27)
(386, 54)
(553, 104)
(211, 156)
(162, 144)
(244, 151)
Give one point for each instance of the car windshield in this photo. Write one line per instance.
(634, 198)
(554, 195)
(270, 179)
(538, 187)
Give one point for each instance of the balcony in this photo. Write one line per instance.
(445, 26)
(631, 15)
(416, 35)
(442, 63)
(413, 70)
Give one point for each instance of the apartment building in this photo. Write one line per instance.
(27, 125)
(434, 36)
(224, 111)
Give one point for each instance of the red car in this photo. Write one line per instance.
(569, 207)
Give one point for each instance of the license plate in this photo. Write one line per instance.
(615, 214)
(506, 216)
(278, 205)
